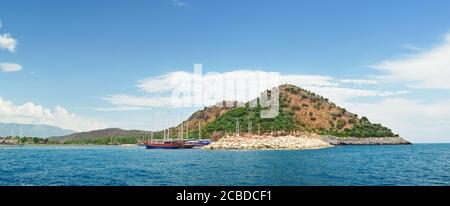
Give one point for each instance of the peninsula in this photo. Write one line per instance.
(305, 121)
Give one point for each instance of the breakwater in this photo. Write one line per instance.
(253, 142)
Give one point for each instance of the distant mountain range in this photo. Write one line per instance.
(31, 130)
(120, 136)
(103, 136)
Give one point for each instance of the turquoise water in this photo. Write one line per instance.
(419, 164)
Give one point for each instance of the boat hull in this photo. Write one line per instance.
(187, 146)
(168, 146)
(200, 143)
(203, 143)
(161, 147)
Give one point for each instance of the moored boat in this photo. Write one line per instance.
(199, 143)
(202, 143)
(186, 145)
(169, 145)
(161, 146)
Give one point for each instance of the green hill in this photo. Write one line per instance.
(300, 110)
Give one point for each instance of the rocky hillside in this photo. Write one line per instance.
(300, 110)
(207, 115)
(317, 114)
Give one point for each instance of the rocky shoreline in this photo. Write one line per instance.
(288, 142)
(364, 141)
(298, 141)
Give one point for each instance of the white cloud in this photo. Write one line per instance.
(169, 82)
(163, 83)
(427, 69)
(135, 102)
(240, 85)
(308, 80)
(340, 95)
(121, 108)
(31, 113)
(10, 67)
(359, 81)
(414, 120)
(179, 3)
(411, 47)
(7, 42)
(203, 90)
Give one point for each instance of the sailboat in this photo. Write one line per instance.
(200, 142)
(19, 143)
(168, 143)
(11, 143)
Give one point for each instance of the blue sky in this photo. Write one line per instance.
(75, 57)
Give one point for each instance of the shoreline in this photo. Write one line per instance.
(364, 140)
(253, 142)
(264, 142)
(69, 145)
(300, 141)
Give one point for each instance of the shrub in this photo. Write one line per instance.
(340, 124)
(227, 122)
(296, 108)
(352, 121)
(331, 124)
(364, 119)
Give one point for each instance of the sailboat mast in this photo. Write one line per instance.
(237, 126)
(199, 130)
(151, 132)
(168, 125)
(187, 130)
(182, 122)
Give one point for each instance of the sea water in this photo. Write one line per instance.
(418, 164)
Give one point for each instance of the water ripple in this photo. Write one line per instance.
(420, 164)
